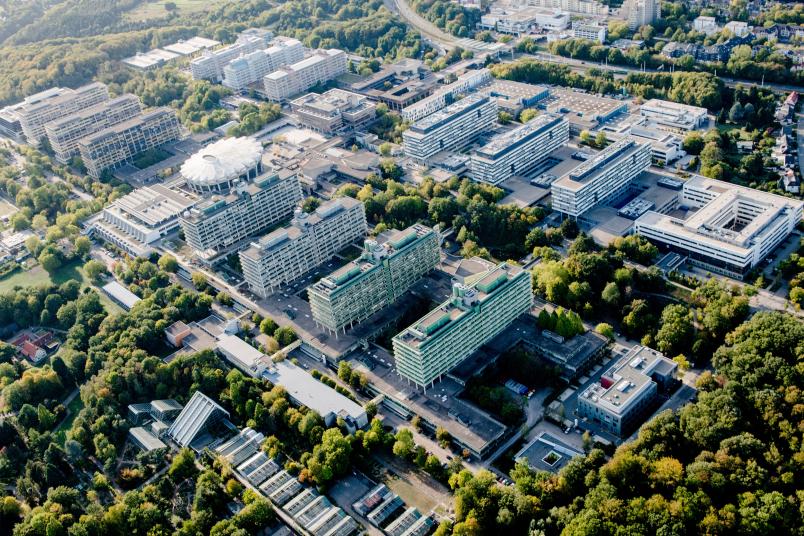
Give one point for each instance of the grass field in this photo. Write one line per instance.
(156, 10)
(6, 208)
(73, 408)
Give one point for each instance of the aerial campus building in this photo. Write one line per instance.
(38, 110)
(298, 77)
(310, 240)
(119, 144)
(197, 417)
(209, 66)
(250, 68)
(446, 95)
(65, 133)
(628, 391)
(376, 279)
(474, 315)
(601, 179)
(728, 229)
(674, 116)
(451, 128)
(518, 151)
(333, 111)
(137, 220)
(241, 196)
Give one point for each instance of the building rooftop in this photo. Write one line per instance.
(587, 106)
(442, 117)
(153, 205)
(55, 96)
(121, 294)
(222, 161)
(194, 418)
(92, 110)
(126, 125)
(547, 453)
(505, 142)
(145, 438)
(599, 163)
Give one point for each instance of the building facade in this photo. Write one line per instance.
(118, 144)
(518, 151)
(452, 128)
(375, 280)
(589, 30)
(642, 12)
(582, 7)
(601, 179)
(333, 111)
(252, 67)
(310, 240)
(209, 66)
(298, 77)
(65, 133)
(38, 110)
(474, 315)
(446, 95)
(674, 116)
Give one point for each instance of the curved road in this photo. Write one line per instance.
(435, 35)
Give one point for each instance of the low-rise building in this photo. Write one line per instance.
(382, 273)
(666, 147)
(334, 111)
(518, 151)
(445, 95)
(198, 416)
(628, 392)
(738, 28)
(298, 77)
(518, 21)
(706, 25)
(674, 116)
(589, 30)
(474, 315)
(513, 97)
(310, 240)
(581, 7)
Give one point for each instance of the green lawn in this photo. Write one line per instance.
(156, 9)
(60, 434)
(6, 208)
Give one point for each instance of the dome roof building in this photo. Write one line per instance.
(218, 166)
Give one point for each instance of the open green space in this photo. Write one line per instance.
(6, 208)
(157, 10)
(73, 408)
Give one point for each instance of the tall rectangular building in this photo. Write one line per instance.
(333, 111)
(474, 315)
(518, 151)
(209, 66)
(252, 67)
(119, 144)
(310, 240)
(452, 128)
(375, 280)
(65, 133)
(445, 95)
(601, 179)
(40, 109)
(220, 222)
(291, 80)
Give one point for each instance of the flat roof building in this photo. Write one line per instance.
(382, 273)
(446, 95)
(40, 109)
(119, 144)
(590, 30)
(512, 96)
(583, 7)
(209, 66)
(474, 315)
(728, 229)
(333, 111)
(519, 151)
(298, 77)
(65, 133)
(602, 178)
(137, 220)
(310, 240)
(674, 116)
(452, 128)
(121, 295)
(627, 392)
(252, 67)
(584, 111)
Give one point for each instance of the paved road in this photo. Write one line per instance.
(435, 35)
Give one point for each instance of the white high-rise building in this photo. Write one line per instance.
(38, 110)
(452, 128)
(252, 67)
(209, 66)
(296, 78)
(310, 240)
(601, 179)
(518, 151)
(642, 12)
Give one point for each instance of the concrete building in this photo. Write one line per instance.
(209, 66)
(641, 12)
(729, 229)
(298, 77)
(38, 110)
(518, 151)
(252, 67)
(525, 20)
(137, 220)
(121, 295)
(452, 128)
(590, 30)
(666, 147)
(446, 95)
(310, 240)
(581, 7)
(674, 116)
(119, 144)
(376, 279)
(333, 111)
(584, 111)
(706, 25)
(738, 28)
(65, 133)
(601, 179)
(513, 97)
(474, 315)
(628, 392)
(200, 413)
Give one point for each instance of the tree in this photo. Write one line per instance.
(20, 222)
(284, 336)
(611, 294)
(224, 299)
(50, 262)
(606, 330)
(693, 143)
(527, 114)
(168, 263)
(199, 281)
(268, 326)
(736, 112)
(182, 466)
(586, 137)
(676, 331)
(601, 140)
(404, 445)
(330, 458)
(82, 246)
(310, 204)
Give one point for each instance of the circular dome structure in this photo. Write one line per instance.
(215, 167)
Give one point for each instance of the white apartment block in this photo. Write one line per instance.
(452, 128)
(38, 110)
(641, 12)
(441, 97)
(674, 116)
(738, 28)
(705, 25)
(518, 151)
(137, 220)
(64, 134)
(298, 77)
(333, 111)
(310, 240)
(729, 229)
(628, 392)
(601, 179)
(209, 66)
(119, 144)
(581, 7)
(589, 30)
(220, 222)
(252, 67)
(524, 20)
